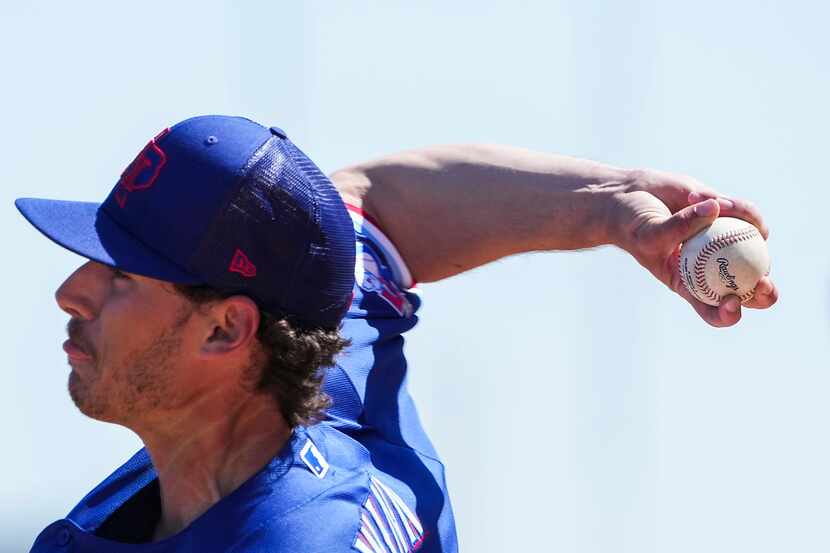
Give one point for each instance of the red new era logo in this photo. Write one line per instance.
(242, 265)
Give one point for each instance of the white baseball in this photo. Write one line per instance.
(727, 258)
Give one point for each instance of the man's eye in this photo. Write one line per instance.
(119, 274)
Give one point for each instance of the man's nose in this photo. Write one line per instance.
(78, 293)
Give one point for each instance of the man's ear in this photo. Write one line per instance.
(233, 324)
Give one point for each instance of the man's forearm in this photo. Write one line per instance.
(451, 208)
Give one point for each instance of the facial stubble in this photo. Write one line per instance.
(140, 384)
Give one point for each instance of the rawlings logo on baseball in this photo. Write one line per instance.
(723, 272)
(727, 258)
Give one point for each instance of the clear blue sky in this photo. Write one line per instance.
(579, 406)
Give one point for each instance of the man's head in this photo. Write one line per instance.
(222, 245)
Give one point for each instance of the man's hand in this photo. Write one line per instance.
(655, 212)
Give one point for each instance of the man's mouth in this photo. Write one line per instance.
(75, 347)
(75, 353)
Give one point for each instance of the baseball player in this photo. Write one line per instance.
(244, 315)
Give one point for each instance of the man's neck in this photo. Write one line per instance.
(210, 450)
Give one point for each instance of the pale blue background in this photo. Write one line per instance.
(579, 406)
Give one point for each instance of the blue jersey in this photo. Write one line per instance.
(366, 480)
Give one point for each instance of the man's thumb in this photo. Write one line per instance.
(689, 221)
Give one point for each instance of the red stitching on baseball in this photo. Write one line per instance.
(706, 253)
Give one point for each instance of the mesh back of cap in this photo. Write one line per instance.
(292, 225)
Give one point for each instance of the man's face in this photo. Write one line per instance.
(130, 344)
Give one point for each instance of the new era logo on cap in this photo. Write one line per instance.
(242, 265)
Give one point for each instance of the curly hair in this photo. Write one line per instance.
(296, 358)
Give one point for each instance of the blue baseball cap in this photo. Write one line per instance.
(225, 202)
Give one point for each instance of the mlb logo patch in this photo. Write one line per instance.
(314, 460)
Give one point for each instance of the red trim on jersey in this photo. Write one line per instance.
(359, 211)
(372, 220)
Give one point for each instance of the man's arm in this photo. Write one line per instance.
(451, 208)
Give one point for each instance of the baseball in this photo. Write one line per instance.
(727, 258)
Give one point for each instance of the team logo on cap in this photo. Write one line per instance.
(142, 173)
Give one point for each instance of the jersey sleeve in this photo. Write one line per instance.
(368, 384)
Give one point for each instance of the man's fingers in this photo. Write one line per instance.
(729, 310)
(726, 314)
(766, 294)
(678, 191)
(748, 212)
(730, 207)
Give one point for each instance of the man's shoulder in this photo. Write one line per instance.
(315, 461)
(334, 522)
(327, 522)
(333, 501)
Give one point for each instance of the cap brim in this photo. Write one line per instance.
(84, 228)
